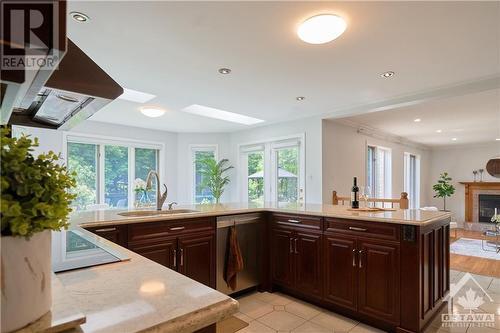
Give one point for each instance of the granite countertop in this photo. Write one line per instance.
(399, 216)
(139, 295)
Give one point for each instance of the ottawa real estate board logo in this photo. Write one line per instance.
(31, 32)
(467, 302)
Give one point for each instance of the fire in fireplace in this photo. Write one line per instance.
(487, 205)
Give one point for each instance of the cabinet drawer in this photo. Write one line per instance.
(152, 230)
(361, 228)
(302, 221)
(114, 233)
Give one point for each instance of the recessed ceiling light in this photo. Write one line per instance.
(439, 131)
(152, 111)
(79, 17)
(206, 111)
(321, 29)
(300, 98)
(224, 70)
(497, 139)
(136, 96)
(387, 74)
(453, 139)
(417, 120)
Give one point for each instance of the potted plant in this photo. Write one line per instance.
(34, 200)
(213, 176)
(443, 188)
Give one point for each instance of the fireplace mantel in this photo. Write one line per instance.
(470, 189)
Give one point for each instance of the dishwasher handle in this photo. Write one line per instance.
(228, 222)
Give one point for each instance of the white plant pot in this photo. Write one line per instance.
(25, 279)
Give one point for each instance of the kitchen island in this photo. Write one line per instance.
(389, 269)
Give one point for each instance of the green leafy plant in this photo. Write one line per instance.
(35, 190)
(213, 175)
(443, 188)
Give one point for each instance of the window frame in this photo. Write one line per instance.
(270, 147)
(414, 198)
(387, 165)
(131, 144)
(193, 148)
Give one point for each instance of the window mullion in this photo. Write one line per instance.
(131, 176)
(100, 176)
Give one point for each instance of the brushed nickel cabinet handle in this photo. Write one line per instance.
(296, 252)
(175, 258)
(105, 230)
(291, 245)
(182, 257)
(177, 228)
(357, 229)
(293, 221)
(354, 258)
(360, 258)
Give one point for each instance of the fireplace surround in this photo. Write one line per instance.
(486, 206)
(473, 192)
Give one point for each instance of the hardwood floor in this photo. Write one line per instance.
(470, 264)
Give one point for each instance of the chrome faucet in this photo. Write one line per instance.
(160, 198)
(171, 205)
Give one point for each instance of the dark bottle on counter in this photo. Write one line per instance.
(355, 194)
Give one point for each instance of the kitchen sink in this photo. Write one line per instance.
(138, 213)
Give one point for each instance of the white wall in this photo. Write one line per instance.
(184, 166)
(459, 162)
(310, 127)
(344, 157)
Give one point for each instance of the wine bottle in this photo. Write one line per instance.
(355, 194)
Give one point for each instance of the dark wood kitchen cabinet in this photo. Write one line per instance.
(296, 254)
(197, 257)
(114, 233)
(163, 251)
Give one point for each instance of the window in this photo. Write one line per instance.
(273, 171)
(378, 172)
(106, 169)
(412, 179)
(201, 194)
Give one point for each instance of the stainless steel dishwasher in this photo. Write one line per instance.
(247, 229)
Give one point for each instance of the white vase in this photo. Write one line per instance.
(25, 279)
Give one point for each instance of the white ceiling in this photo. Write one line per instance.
(472, 118)
(174, 49)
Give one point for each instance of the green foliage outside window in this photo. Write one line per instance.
(35, 194)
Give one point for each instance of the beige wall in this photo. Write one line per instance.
(459, 162)
(344, 157)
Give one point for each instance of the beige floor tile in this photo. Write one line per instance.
(494, 285)
(243, 317)
(256, 327)
(309, 327)
(363, 328)
(281, 320)
(302, 309)
(253, 307)
(275, 298)
(483, 330)
(332, 320)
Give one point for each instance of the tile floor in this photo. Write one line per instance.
(276, 312)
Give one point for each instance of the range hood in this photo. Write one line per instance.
(74, 92)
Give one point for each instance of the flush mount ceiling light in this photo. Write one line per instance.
(439, 131)
(321, 29)
(387, 74)
(300, 98)
(136, 96)
(497, 139)
(224, 70)
(152, 111)
(206, 111)
(79, 17)
(417, 120)
(453, 139)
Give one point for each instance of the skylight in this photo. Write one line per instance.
(136, 96)
(206, 111)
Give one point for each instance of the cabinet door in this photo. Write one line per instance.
(378, 291)
(281, 245)
(163, 251)
(341, 271)
(308, 263)
(197, 257)
(115, 234)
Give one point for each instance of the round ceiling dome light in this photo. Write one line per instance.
(321, 29)
(152, 111)
(79, 17)
(300, 98)
(387, 74)
(224, 70)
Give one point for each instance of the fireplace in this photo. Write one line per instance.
(487, 205)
